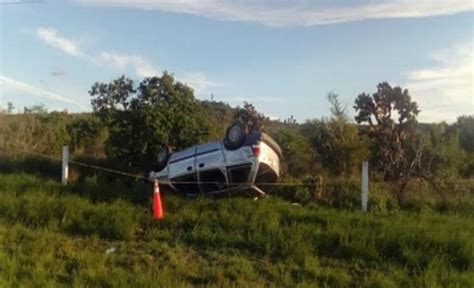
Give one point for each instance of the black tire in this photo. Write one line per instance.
(162, 158)
(235, 136)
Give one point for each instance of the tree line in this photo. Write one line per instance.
(130, 121)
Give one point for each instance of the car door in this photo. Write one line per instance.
(182, 171)
(211, 167)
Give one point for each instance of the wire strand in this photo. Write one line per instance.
(167, 182)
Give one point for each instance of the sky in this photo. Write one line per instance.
(282, 56)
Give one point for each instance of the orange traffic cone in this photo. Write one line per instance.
(157, 210)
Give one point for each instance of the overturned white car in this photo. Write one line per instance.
(241, 161)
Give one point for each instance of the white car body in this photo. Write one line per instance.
(210, 168)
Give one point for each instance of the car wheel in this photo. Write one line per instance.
(235, 136)
(162, 158)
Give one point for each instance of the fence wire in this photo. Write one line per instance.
(141, 177)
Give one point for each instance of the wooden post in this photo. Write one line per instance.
(364, 189)
(65, 170)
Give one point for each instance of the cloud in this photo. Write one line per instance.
(50, 36)
(141, 66)
(122, 61)
(446, 90)
(15, 85)
(296, 13)
(198, 81)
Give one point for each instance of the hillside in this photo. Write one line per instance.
(96, 235)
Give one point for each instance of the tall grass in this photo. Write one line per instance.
(51, 235)
(47, 205)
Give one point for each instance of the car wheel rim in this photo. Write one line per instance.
(161, 156)
(234, 134)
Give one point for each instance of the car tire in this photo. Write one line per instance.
(235, 136)
(162, 158)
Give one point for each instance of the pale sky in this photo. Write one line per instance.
(283, 56)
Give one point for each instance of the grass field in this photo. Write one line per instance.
(98, 235)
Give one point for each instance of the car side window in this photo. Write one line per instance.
(212, 180)
(187, 184)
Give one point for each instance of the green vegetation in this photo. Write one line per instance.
(390, 115)
(131, 122)
(53, 235)
(337, 141)
(97, 231)
(140, 119)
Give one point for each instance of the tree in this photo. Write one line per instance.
(140, 119)
(250, 117)
(290, 121)
(391, 115)
(337, 141)
(465, 125)
(10, 107)
(219, 115)
(338, 110)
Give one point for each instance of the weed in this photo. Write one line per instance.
(54, 235)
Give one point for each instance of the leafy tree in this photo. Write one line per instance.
(299, 158)
(140, 119)
(391, 115)
(253, 119)
(337, 141)
(110, 98)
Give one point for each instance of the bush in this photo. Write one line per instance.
(299, 158)
(42, 133)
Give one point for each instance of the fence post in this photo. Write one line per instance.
(364, 182)
(65, 170)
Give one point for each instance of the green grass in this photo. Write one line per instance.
(51, 235)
